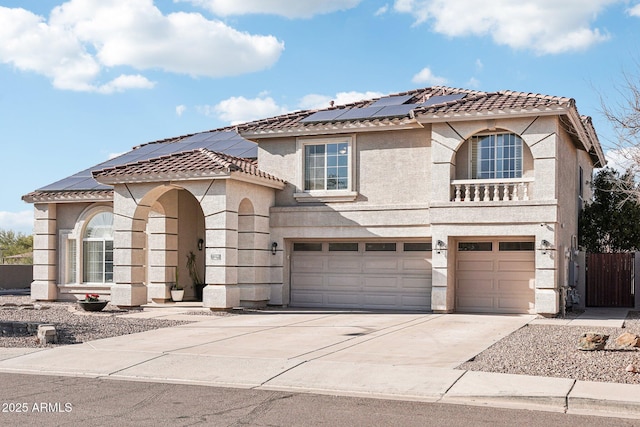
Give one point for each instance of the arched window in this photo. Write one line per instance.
(97, 249)
(496, 155)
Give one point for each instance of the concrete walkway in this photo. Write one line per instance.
(407, 356)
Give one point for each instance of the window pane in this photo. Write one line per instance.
(380, 247)
(496, 156)
(417, 247)
(108, 261)
(71, 261)
(307, 247)
(343, 247)
(100, 226)
(475, 246)
(326, 166)
(93, 261)
(516, 246)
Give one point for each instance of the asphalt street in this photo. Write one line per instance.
(70, 401)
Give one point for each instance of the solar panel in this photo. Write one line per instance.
(392, 100)
(441, 99)
(359, 113)
(195, 138)
(394, 110)
(323, 116)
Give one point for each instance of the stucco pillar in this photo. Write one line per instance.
(129, 257)
(547, 293)
(222, 290)
(441, 294)
(162, 230)
(44, 286)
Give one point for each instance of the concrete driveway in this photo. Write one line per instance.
(389, 354)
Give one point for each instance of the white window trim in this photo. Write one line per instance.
(326, 196)
(470, 161)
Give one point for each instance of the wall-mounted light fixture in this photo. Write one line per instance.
(274, 247)
(545, 246)
(440, 246)
(200, 244)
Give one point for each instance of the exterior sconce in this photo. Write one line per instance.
(440, 246)
(545, 246)
(200, 244)
(274, 247)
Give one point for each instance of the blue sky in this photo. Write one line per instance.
(83, 80)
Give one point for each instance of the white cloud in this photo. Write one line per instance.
(83, 38)
(382, 10)
(180, 109)
(286, 8)
(634, 11)
(473, 82)
(544, 26)
(426, 76)
(17, 221)
(240, 109)
(315, 101)
(479, 65)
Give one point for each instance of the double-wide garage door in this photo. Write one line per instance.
(369, 275)
(495, 276)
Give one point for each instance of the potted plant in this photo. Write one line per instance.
(192, 267)
(92, 302)
(177, 292)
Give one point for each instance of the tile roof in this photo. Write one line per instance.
(45, 196)
(473, 102)
(200, 162)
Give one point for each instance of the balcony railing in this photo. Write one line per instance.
(491, 190)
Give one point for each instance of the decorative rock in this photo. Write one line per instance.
(591, 341)
(47, 334)
(632, 368)
(627, 340)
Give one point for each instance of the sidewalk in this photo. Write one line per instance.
(400, 356)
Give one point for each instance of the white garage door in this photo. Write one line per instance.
(370, 275)
(495, 276)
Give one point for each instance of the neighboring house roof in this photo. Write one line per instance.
(409, 109)
(198, 163)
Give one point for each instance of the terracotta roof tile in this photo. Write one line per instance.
(193, 163)
(68, 196)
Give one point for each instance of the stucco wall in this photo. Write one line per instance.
(390, 167)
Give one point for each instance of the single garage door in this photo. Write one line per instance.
(369, 275)
(495, 276)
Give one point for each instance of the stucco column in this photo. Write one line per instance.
(129, 242)
(442, 298)
(44, 286)
(547, 293)
(162, 231)
(222, 290)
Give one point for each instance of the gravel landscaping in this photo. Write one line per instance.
(73, 325)
(551, 351)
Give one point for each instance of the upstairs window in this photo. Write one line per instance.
(496, 156)
(326, 166)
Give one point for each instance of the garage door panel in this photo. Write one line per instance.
(475, 265)
(515, 265)
(347, 264)
(307, 264)
(415, 284)
(364, 279)
(419, 266)
(308, 281)
(380, 264)
(508, 287)
(374, 284)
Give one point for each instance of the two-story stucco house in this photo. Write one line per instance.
(433, 199)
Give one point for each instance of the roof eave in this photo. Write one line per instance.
(69, 196)
(161, 177)
(331, 128)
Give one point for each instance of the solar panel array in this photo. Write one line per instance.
(224, 141)
(391, 106)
